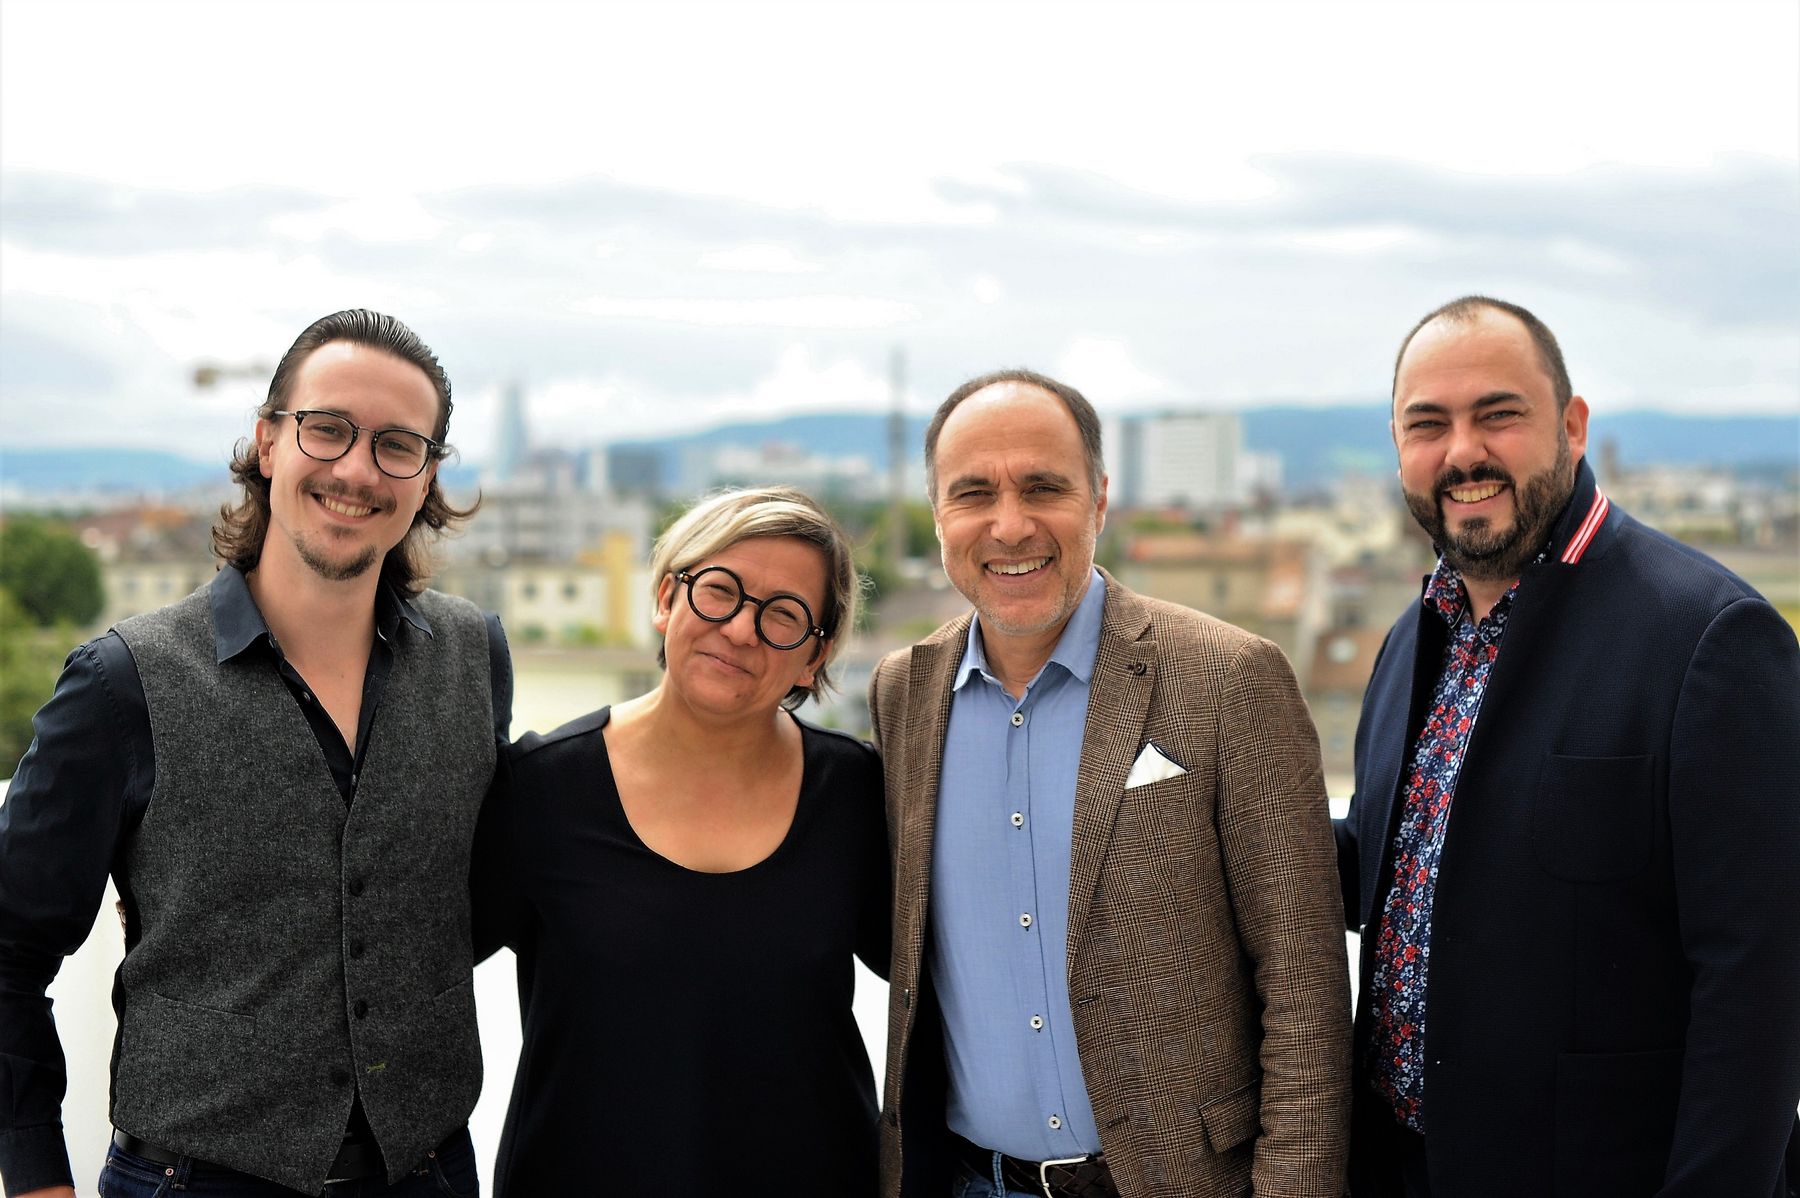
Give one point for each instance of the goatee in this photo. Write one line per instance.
(335, 569)
(1481, 551)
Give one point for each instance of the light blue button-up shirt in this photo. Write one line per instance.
(1000, 899)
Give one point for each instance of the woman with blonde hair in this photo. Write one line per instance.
(685, 878)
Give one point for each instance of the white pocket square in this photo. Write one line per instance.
(1151, 766)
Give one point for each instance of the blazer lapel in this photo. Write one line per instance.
(1118, 701)
(932, 672)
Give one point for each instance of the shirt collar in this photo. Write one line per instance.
(238, 623)
(1075, 650)
(1446, 595)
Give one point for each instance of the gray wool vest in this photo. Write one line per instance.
(293, 951)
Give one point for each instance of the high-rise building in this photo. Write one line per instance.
(1192, 460)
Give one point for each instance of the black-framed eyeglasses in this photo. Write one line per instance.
(326, 437)
(716, 595)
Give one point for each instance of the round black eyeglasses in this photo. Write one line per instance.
(716, 595)
(326, 437)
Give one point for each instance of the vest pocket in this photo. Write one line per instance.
(1592, 818)
(182, 1063)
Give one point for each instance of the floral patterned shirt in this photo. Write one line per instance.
(1403, 945)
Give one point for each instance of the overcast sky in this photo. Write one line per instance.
(659, 216)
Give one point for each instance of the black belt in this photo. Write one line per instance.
(356, 1159)
(1081, 1177)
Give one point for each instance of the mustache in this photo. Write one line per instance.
(1454, 476)
(349, 494)
(353, 495)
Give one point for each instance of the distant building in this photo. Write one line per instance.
(636, 470)
(1336, 677)
(512, 444)
(1189, 460)
(548, 511)
(1362, 522)
(706, 468)
(1271, 588)
(150, 556)
(601, 598)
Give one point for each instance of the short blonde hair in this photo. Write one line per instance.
(719, 521)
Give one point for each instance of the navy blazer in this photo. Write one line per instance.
(1613, 999)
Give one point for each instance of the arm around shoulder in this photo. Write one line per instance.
(500, 676)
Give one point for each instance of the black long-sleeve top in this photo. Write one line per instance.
(685, 1033)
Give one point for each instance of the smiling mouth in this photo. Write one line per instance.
(1476, 493)
(1013, 569)
(725, 661)
(341, 508)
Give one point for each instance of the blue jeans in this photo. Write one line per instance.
(446, 1173)
(966, 1183)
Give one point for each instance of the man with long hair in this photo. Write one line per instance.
(281, 773)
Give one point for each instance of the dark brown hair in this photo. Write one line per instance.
(1467, 308)
(238, 535)
(1087, 421)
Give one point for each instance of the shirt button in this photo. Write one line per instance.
(307, 695)
(1055, 1122)
(1025, 920)
(1018, 719)
(1018, 819)
(1037, 1023)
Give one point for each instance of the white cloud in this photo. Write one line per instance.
(612, 406)
(387, 217)
(1214, 209)
(759, 259)
(769, 312)
(1104, 369)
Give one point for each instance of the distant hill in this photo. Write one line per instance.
(78, 469)
(1321, 443)
(1316, 445)
(832, 434)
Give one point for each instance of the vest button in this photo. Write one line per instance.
(361, 1008)
(356, 887)
(356, 948)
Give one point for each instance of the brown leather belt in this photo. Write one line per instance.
(1081, 1177)
(355, 1159)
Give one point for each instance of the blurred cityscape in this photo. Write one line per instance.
(1299, 536)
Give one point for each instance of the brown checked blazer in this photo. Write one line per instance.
(1206, 950)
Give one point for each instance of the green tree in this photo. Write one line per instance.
(29, 661)
(52, 576)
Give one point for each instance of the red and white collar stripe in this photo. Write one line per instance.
(1595, 518)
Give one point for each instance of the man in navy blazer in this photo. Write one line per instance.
(1574, 848)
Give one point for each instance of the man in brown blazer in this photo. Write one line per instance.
(1118, 966)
